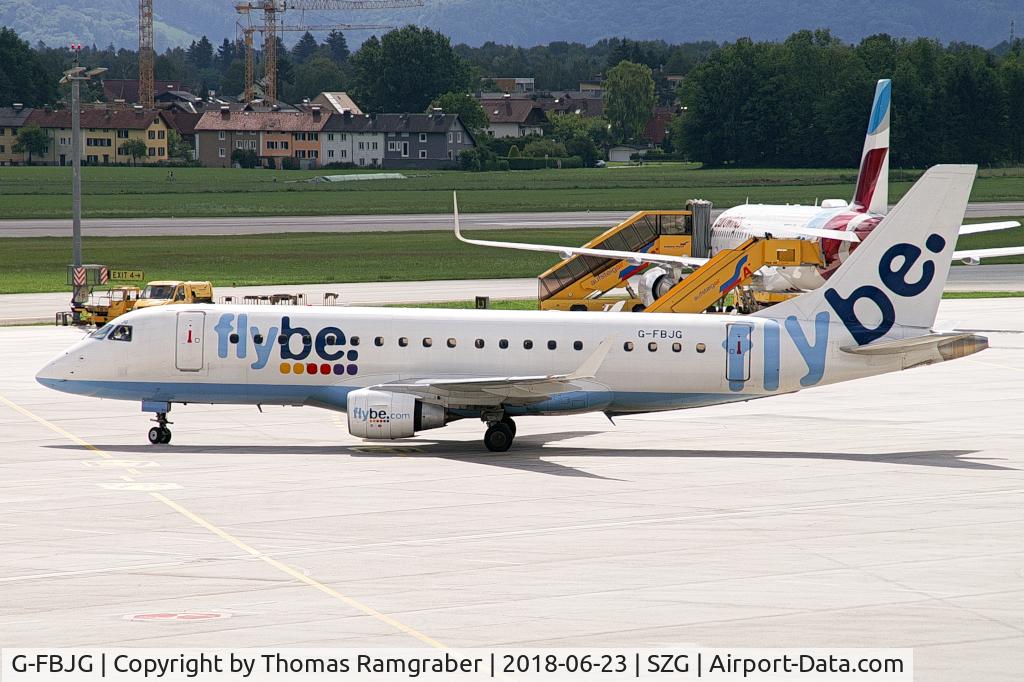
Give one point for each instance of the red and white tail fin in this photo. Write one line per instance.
(872, 193)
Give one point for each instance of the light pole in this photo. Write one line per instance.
(75, 75)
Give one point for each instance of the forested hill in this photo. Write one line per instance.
(532, 22)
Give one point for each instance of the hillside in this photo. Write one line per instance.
(984, 22)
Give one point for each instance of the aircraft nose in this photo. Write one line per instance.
(56, 371)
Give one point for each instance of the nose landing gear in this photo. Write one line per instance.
(160, 434)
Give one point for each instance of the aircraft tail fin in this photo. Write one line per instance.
(872, 193)
(891, 285)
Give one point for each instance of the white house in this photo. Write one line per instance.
(348, 138)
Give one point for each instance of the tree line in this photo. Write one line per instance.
(805, 102)
(799, 102)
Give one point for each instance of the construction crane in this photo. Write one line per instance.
(146, 89)
(272, 8)
(250, 59)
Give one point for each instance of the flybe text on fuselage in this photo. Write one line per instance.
(298, 350)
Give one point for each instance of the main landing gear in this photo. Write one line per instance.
(500, 433)
(160, 434)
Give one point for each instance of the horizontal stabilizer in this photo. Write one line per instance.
(923, 350)
(975, 256)
(988, 227)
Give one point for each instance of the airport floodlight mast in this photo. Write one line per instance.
(272, 8)
(147, 91)
(75, 75)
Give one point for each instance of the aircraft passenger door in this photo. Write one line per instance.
(188, 347)
(737, 346)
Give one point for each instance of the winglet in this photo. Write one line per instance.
(589, 367)
(455, 203)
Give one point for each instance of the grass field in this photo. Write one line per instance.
(45, 192)
(38, 264)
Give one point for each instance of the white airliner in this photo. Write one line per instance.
(396, 372)
(838, 226)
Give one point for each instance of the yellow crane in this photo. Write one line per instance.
(271, 9)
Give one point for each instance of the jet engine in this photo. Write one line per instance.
(385, 415)
(654, 283)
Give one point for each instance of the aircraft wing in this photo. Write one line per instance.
(815, 232)
(634, 257)
(975, 256)
(492, 391)
(988, 227)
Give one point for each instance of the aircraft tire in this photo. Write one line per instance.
(498, 437)
(506, 420)
(156, 435)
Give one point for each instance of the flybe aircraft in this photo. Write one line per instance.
(396, 372)
(836, 225)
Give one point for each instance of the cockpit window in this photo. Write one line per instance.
(158, 291)
(102, 332)
(122, 332)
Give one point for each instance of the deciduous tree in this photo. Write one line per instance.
(629, 99)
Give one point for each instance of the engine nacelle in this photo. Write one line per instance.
(385, 415)
(654, 283)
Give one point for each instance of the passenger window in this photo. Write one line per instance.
(233, 338)
(307, 339)
(329, 340)
(503, 344)
(528, 344)
(628, 346)
(701, 347)
(552, 344)
(378, 341)
(479, 343)
(179, 294)
(427, 342)
(258, 339)
(403, 341)
(282, 339)
(354, 340)
(652, 346)
(122, 332)
(577, 345)
(676, 347)
(102, 332)
(452, 343)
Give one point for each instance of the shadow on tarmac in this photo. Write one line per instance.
(534, 452)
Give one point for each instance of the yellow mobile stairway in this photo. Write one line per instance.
(732, 268)
(578, 282)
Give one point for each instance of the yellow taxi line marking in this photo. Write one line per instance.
(53, 427)
(298, 575)
(242, 545)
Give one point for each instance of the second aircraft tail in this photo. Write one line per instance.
(872, 193)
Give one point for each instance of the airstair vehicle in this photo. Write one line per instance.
(580, 282)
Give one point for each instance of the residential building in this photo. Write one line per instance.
(657, 127)
(11, 120)
(104, 133)
(423, 140)
(127, 89)
(516, 85)
(273, 135)
(623, 153)
(510, 117)
(337, 103)
(572, 102)
(184, 124)
(355, 139)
